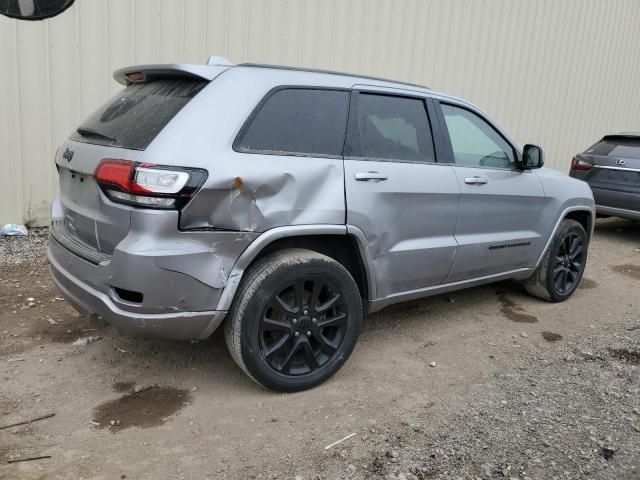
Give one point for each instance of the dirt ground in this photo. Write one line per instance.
(520, 388)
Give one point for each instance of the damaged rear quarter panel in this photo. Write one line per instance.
(205, 256)
(245, 191)
(267, 191)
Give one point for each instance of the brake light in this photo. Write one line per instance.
(148, 185)
(136, 77)
(577, 164)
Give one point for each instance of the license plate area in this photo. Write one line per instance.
(80, 201)
(620, 176)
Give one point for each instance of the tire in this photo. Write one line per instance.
(295, 320)
(563, 255)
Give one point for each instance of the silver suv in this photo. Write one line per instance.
(289, 203)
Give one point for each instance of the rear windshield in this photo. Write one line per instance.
(134, 117)
(616, 147)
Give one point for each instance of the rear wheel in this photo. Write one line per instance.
(562, 266)
(295, 320)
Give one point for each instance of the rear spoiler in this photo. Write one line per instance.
(142, 73)
(623, 136)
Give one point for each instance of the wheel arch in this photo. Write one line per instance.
(344, 244)
(584, 218)
(584, 215)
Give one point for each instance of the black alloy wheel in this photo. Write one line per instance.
(303, 326)
(295, 319)
(569, 263)
(560, 270)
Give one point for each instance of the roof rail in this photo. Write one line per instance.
(217, 60)
(329, 72)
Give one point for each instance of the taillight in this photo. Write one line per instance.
(148, 185)
(577, 164)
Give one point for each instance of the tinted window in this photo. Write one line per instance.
(298, 121)
(617, 147)
(134, 117)
(388, 127)
(475, 142)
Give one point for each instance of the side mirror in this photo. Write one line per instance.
(532, 157)
(33, 9)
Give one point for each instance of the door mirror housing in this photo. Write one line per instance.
(33, 9)
(532, 157)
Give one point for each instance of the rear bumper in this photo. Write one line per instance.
(159, 282)
(180, 325)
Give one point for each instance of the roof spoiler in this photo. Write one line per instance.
(142, 73)
(622, 135)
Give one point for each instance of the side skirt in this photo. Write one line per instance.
(380, 303)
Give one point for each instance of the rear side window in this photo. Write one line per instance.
(391, 128)
(626, 147)
(297, 121)
(134, 117)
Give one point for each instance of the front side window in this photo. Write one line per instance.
(391, 128)
(298, 121)
(475, 142)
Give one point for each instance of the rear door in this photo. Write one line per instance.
(404, 202)
(615, 175)
(499, 227)
(121, 129)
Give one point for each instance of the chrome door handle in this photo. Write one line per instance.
(370, 177)
(475, 180)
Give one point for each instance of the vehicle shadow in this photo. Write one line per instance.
(205, 365)
(208, 365)
(617, 229)
(501, 297)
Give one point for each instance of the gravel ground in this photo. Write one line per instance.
(520, 388)
(570, 413)
(30, 250)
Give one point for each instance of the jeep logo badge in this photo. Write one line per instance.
(67, 155)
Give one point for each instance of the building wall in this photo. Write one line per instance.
(556, 73)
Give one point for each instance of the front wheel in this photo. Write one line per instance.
(562, 266)
(295, 320)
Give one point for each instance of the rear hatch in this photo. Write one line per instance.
(615, 175)
(121, 129)
(86, 216)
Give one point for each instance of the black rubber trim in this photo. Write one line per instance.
(70, 242)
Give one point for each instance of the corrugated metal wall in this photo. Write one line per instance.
(556, 73)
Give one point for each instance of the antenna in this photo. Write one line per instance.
(216, 60)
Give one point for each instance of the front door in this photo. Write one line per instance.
(397, 194)
(499, 222)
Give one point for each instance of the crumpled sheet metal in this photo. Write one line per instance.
(207, 256)
(213, 264)
(264, 195)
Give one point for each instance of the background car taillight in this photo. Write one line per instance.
(147, 185)
(577, 164)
